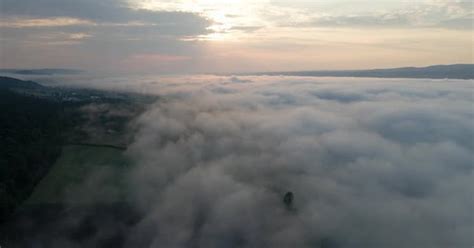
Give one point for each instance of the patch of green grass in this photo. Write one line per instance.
(84, 175)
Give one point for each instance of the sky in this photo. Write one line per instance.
(210, 36)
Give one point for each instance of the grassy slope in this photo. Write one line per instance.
(84, 175)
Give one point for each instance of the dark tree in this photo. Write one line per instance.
(288, 199)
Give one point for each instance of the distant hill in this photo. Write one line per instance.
(457, 71)
(13, 83)
(53, 71)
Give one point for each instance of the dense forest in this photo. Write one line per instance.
(37, 121)
(30, 141)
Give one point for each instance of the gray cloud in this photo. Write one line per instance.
(108, 11)
(390, 20)
(362, 20)
(107, 34)
(246, 28)
(429, 14)
(466, 22)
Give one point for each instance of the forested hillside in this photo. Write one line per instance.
(30, 141)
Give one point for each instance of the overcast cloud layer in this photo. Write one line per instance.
(371, 162)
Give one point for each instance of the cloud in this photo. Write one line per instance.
(235, 79)
(427, 14)
(232, 37)
(101, 47)
(111, 33)
(392, 158)
(386, 20)
(461, 23)
(108, 11)
(372, 164)
(42, 22)
(246, 28)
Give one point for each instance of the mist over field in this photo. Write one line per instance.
(371, 162)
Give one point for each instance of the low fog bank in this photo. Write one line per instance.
(371, 163)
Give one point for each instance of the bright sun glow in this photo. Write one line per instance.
(228, 16)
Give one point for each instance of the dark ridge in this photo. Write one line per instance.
(456, 71)
(46, 71)
(13, 83)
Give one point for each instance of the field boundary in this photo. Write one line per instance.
(117, 147)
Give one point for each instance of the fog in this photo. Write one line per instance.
(371, 162)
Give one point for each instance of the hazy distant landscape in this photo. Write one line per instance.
(465, 71)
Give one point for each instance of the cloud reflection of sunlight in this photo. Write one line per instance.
(230, 18)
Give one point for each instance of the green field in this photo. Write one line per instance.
(84, 175)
